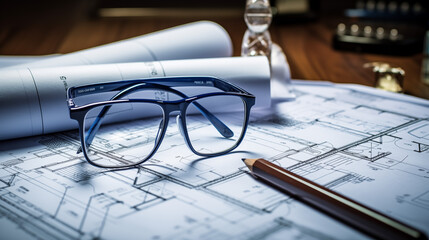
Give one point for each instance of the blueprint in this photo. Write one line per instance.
(371, 148)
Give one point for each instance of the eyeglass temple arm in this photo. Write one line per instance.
(164, 81)
(224, 130)
(94, 128)
(198, 81)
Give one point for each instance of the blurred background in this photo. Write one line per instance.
(322, 39)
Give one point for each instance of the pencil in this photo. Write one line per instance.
(354, 214)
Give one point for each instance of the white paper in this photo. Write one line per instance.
(10, 60)
(28, 96)
(370, 148)
(33, 100)
(201, 39)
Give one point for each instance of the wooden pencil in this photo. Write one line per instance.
(348, 211)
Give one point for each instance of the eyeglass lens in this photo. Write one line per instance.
(205, 138)
(114, 142)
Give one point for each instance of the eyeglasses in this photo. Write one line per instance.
(127, 129)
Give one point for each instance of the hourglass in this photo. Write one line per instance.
(257, 40)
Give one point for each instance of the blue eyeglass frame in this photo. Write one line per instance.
(127, 87)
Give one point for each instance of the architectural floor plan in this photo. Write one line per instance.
(372, 149)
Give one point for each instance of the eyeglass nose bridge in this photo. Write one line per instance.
(168, 109)
(180, 125)
(180, 108)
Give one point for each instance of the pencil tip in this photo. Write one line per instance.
(249, 162)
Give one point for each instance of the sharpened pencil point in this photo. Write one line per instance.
(249, 162)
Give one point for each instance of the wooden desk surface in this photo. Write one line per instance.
(307, 45)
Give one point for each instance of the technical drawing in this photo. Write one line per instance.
(349, 141)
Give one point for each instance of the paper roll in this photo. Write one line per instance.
(202, 39)
(33, 100)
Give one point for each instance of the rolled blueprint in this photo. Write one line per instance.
(33, 100)
(202, 39)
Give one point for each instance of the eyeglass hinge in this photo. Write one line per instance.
(71, 103)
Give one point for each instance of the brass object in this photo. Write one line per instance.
(387, 77)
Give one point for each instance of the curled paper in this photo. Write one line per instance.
(202, 39)
(33, 100)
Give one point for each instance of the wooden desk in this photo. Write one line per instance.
(307, 45)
